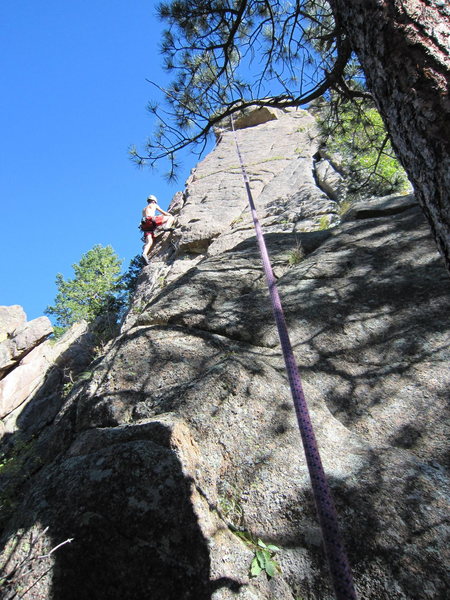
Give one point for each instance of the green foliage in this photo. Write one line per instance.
(231, 509)
(128, 283)
(138, 309)
(13, 461)
(95, 289)
(356, 133)
(230, 499)
(69, 385)
(67, 388)
(296, 255)
(264, 555)
(162, 281)
(236, 221)
(344, 207)
(324, 223)
(228, 57)
(4, 463)
(225, 57)
(264, 560)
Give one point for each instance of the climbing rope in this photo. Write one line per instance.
(334, 548)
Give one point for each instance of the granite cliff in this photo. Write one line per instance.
(180, 449)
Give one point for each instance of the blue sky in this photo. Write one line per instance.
(73, 100)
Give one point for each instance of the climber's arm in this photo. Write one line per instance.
(162, 211)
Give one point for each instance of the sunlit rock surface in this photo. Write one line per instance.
(184, 433)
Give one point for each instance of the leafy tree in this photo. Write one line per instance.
(229, 54)
(97, 288)
(356, 134)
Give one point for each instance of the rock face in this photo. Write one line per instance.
(21, 366)
(185, 434)
(21, 341)
(28, 362)
(11, 317)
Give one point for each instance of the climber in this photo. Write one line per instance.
(150, 222)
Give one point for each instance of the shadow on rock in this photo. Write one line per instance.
(126, 503)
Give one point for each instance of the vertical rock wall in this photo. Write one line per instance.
(184, 440)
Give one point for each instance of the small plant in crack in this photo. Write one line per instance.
(344, 207)
(236, 221)
(162, 281)
(230, 505)
(324, 223)
(296, 255)
(264, 560)
(264, 555)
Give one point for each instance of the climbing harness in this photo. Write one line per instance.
(334, 548)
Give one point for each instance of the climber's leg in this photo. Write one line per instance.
(168, 223)
(148, 245)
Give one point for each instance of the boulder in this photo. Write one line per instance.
(380, 207)
(20, 383)
(257, 116)
(22, 340)
(73, 351)
(11, 317)
(329, 180)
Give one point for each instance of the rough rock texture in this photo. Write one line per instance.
(212, 213)
(21, 341)
(11, 317)
(329, 180)
(280, 150)
(185, 432)
(26, 377)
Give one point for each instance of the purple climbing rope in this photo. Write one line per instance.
(334, 548)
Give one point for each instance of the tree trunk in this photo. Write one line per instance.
(404, 49)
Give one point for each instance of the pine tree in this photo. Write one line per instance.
(96, 288)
